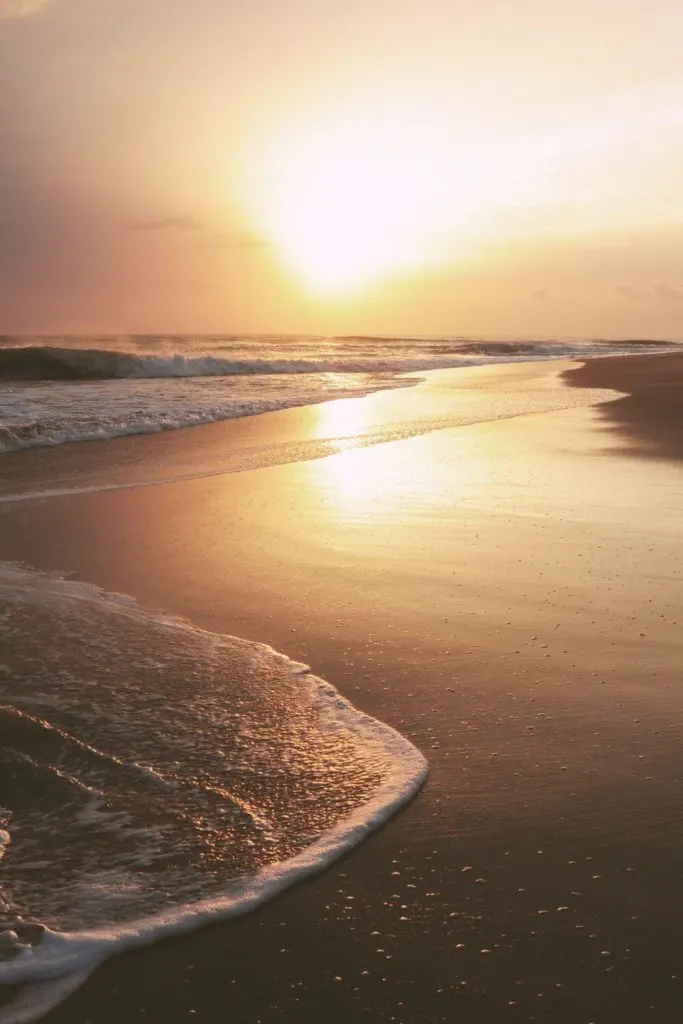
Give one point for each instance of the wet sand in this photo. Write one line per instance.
(648, 420)
(506, 594)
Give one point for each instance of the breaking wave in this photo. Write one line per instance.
(67, 389)
(135, 359)
(43, 414)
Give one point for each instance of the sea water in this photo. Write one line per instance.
(155, 776)
(55, 390)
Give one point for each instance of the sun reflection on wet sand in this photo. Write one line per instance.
(343, 420)
(387, 482)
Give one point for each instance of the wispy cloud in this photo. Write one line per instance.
(668, 293)
(236, 240)
(166, 223)
(19, 8)
(627, 291)
(664, 292)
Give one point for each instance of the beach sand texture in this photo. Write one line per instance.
(492, 564)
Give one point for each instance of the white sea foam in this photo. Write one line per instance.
(60, 390)
(68, 959)
(143, 356)
(48, 414)
(220, 682)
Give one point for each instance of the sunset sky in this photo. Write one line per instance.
(381, 166)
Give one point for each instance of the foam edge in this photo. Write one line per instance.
(62, 962)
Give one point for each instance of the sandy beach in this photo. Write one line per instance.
(489, 562)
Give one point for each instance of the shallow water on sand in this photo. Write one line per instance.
(148, 766)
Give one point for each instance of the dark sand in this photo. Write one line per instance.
(649, 419)
(506, 594)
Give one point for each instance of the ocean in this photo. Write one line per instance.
(61, 389)
(156, 776)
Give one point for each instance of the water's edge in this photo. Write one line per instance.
(57, 965)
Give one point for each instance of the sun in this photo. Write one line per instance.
(346, 209)
(349, 199)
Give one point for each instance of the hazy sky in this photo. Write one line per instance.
(441, 166)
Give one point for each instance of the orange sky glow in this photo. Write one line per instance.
(448, 167)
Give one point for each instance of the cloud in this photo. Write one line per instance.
(627, 291)
(236, 240)
(166, 223)
(668, 293)
(208, 239)
(19, 8)
(664, 292)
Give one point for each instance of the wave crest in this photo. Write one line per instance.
(230, 357)
(43, 363)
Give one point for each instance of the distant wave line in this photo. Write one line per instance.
(47, 362)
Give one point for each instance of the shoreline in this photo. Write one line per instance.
(451, 583)
(266, 439)
(649, 418)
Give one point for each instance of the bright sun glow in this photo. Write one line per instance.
(349, 199)
(349, 207)
(374, 185)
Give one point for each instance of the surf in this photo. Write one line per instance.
(158, 776)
